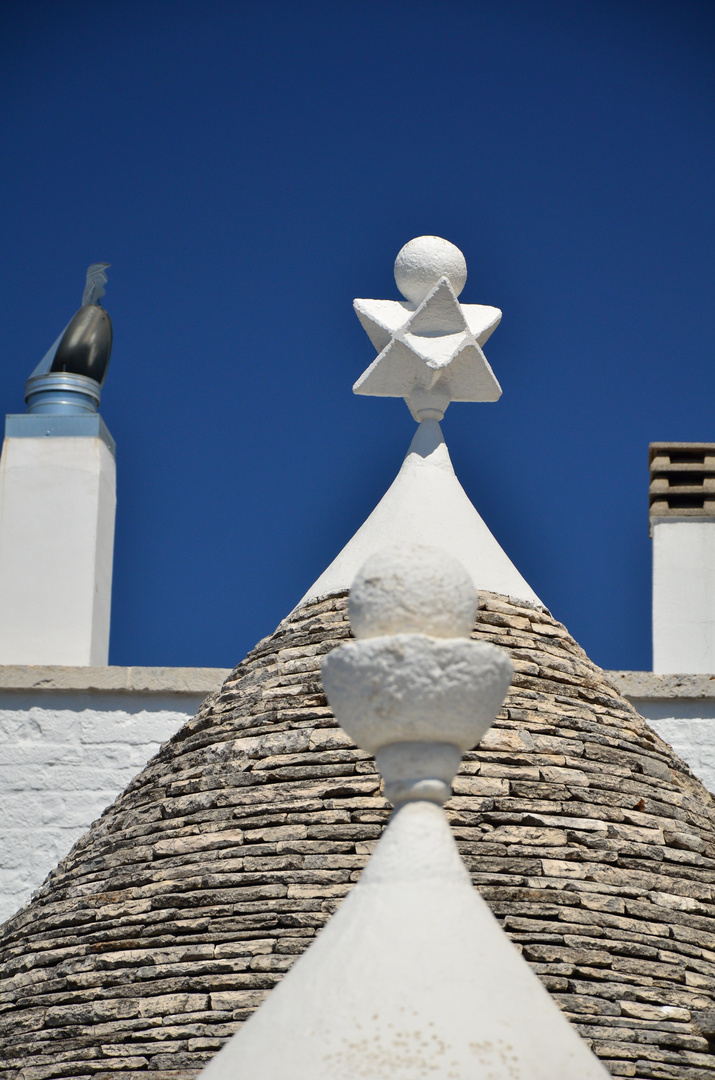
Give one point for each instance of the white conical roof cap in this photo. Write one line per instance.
(426, 504)
(412, 977)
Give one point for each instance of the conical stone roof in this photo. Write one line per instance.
(176, 913)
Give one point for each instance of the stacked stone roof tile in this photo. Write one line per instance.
(172, 918)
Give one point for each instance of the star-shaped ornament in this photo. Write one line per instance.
(429, 345)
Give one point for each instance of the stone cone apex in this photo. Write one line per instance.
(426, 504)
(412, 976)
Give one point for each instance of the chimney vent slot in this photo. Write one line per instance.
(682, 480)
(686, 479)
(684, 457)
(685, 502)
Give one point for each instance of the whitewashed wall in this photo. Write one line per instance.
(679, 708)
(68, 750)
(71, 739)
(57, 503)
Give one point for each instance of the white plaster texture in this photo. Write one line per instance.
(429, 345)
(412, 589)
(683, 595)
(414, 698)
(411, 977)
(57, 506)
(423, 261)
(62, 762)
(426, 505)
(412, 687)
(691, 733)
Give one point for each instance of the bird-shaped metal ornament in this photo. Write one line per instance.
(85, 345)
(94, 286)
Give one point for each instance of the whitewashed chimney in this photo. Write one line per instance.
(682, 522)
(57, 501)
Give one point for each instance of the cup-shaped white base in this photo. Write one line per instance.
(410, 688)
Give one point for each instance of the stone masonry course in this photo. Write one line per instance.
(174, 915)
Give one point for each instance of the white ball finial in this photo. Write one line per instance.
(414, 689)
(412, 590)
(423, 261)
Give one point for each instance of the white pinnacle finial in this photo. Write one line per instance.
(414, 689)
(423, 261)
(412, 589)
(429, 344)
(412, 976)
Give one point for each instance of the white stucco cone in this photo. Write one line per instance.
(426, 504)
(412, 977)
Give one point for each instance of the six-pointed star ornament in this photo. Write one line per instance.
(429, 344)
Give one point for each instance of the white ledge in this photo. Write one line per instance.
(648, 684)
(151, 680)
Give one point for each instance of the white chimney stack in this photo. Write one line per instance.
(57, 502)
(682, 522)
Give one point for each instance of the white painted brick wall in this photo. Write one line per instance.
(692, 735)
(65, 756)
(62, 762)
(681, 709)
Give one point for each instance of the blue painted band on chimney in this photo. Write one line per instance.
(42, 425)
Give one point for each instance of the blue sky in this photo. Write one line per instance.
(250, 169)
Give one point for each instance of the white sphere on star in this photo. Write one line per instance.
(423, 261)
